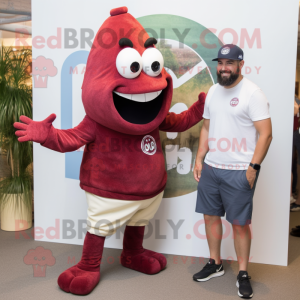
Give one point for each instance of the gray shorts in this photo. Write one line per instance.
(225, 191)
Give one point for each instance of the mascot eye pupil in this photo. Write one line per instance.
(134, 67)
(155, 66)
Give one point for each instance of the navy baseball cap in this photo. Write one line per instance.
(230, 51)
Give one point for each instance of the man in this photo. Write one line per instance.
(295, 203)
(236, 112)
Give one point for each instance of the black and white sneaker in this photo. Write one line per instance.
(209, 271)
(244, 286)
(294, 207)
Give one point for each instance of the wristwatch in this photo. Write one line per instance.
(255, 166)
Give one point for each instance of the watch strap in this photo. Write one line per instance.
(255, 166)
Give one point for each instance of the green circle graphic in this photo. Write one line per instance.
(180, 60)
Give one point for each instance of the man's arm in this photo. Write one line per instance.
(264, 129)
(202, 149)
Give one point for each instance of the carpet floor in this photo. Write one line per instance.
(17, 279)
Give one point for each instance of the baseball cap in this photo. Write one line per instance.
(230, 51)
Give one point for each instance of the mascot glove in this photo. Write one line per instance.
(201, 99)
(33, 131)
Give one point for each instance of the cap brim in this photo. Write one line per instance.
(215, 59)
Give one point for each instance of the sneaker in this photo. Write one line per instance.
(244, 286)
(295, 207)
(295, 233)
(292, 200)
(209, 271)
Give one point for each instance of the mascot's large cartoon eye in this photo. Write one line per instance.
(129, 63)
(153, 62)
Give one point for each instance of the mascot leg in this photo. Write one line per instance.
(135, 257)
(82, 278)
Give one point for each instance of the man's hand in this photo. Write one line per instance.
(197, 171)
(251, 175)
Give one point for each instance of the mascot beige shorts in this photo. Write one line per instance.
(106, 215)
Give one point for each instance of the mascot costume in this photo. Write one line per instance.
(126, 95)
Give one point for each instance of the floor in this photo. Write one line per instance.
(17, 279)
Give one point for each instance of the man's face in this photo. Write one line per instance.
(228, 71)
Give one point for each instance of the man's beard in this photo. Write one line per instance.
(226, 81)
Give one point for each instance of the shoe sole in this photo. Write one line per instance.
(295, 235)
(240, 295)
(211, 276)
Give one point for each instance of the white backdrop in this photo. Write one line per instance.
(58, 197)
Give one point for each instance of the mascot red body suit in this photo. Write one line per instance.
(127, 95)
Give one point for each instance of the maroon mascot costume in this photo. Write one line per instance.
(126, 95)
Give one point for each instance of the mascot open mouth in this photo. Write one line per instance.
(138, 108)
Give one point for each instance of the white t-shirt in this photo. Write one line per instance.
(232, 135)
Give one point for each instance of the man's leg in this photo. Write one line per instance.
(296, 205)
(209, 203)
(214, 232)
(242, 243)
(237, 196)
(296, 140)
(214, 267)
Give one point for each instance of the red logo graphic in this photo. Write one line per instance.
(148, 145)
(42, 68)
(39, 258)
(94, 165)
(234, 102)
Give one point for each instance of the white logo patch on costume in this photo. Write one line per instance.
(234, 102)
(148, 145)
(225, 50)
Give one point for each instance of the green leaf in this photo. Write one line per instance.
(15, 101)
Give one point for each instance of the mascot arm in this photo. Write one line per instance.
(59, 140)
(71, 139)
(185, 120)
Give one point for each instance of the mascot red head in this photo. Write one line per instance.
(126, 87)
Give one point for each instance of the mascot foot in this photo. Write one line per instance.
(77, 281)
(82, 278)
(135, 257)
(148, 262)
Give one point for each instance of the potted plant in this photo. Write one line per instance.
(15, 100)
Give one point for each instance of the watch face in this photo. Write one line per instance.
(256, 167)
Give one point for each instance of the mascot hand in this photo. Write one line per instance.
(201, 102)
(32, 130)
